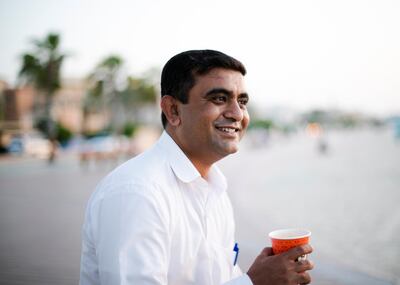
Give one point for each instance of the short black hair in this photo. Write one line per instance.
(179, 73)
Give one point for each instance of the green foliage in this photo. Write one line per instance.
(63, 134)
(316, 116)
(138, 91)
(96, 91)
(112, 63)
(261, 124)
(101, 133)
(42, 125)
(103, 78)
(42, 66)
(47, 126)
(104, 85)
(116, 97)
(129, 129)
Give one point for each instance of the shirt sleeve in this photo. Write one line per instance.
(132, 237)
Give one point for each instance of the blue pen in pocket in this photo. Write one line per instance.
(236, 250)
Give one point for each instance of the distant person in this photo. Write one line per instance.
(322, 146)
(396, 127)
(164, 217)
(3, 148)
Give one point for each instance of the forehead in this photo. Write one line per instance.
(219, 77)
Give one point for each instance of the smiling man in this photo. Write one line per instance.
(210, 125)
(164, 217)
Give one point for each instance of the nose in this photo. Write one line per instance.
(234, 112)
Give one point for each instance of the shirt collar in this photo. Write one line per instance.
(217, 179)
(184, 168)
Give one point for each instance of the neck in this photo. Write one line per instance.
(202, 166)
(203, 169)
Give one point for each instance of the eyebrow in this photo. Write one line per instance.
(226, 92)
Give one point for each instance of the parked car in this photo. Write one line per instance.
(31, 144)
(99, 148)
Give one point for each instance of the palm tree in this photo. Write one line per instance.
(116, 96)
(139, 93)
(42, 67)
(105, 81)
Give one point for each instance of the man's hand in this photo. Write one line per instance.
(281, 269)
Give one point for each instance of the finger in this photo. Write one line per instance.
(303, 265)
(267, 251)
(298, 251)
(303, 278)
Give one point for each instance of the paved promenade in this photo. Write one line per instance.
(41, 210)
(42, 207)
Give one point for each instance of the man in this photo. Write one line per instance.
(164, 217)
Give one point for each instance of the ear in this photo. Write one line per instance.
(169, 106)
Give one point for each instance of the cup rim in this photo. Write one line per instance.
(294, 234)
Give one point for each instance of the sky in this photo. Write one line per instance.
(300, 54)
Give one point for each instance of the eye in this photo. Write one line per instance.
(243, 101)
(219, 98)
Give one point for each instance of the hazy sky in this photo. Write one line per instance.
(300, 54)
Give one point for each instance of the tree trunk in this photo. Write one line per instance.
(51, 128)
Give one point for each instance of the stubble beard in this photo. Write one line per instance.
(225, 148)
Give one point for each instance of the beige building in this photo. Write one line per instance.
(21, 107)
(17, 108)
(67, 104)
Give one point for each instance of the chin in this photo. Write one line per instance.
(231, 149)
(224, 148)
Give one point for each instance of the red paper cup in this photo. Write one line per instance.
(283, 240)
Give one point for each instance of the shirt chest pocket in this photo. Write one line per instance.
(223, 261)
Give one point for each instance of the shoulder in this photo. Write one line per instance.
(148, 169)
(147, 176)
(130, 191)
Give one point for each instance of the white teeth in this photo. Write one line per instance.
(227, 130)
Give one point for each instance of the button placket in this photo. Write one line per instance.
(198, 198)
(203, 192)
(207, 207)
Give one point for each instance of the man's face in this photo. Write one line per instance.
(215, 117)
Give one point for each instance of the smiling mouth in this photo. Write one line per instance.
(228, 130)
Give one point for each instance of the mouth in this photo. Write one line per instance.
(227, 129)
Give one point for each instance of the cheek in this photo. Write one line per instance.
(198, 126)
(201, 119)
(209, 117)
(246, 120)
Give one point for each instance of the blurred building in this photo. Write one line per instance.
(67, 104)
(16, 108)
(3, 85)
(20, 109)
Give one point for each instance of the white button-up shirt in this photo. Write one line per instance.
(155, 220)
